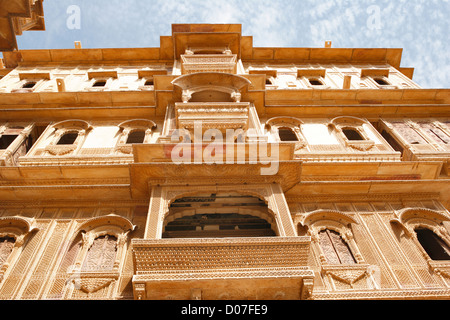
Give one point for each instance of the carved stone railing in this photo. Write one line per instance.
(194, 63)
(217, 115)
(259, 268)
(337, 152)
(91, 156)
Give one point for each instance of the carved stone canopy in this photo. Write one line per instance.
(283, 121)
(75, 123)
(318, 215)
(23, 224)
(138, 124)
(220, 86)
(347, 120)
(16, 227)
(423, 213)
(110, 221)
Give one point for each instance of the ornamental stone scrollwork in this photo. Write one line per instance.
(98, 262)
(13, 233)
(77, 129)
(350, 131)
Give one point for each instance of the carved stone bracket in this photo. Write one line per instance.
(307, 289)
(348, 274)
(60, 150)
(92, 282)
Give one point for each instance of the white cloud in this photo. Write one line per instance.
(419, 26)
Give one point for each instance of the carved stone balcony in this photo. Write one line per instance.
(216, 115)
(194, 63)
(227, 268)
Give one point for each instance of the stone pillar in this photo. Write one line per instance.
(280, 208)
(155, 214)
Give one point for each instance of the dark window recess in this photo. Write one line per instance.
(68, 138)
(136, 137)
(149, 82)
(268, 82)
(99, 83)
(6, 140)
(381, 82)
(315, 82)
(218, 226)
(392, 142)
(335, 249)
(352, 135)
(29, 85)
(287, 134)
(435, 247)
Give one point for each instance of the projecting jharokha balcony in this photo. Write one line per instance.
(226, 268)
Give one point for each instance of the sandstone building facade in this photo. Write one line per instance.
(93, 205)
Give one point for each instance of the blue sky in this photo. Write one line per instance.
(420, 27)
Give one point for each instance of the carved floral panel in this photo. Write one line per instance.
(101, 255)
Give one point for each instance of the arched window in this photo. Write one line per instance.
(356, 133)
(29, 85)
(98, 256)
(99, 84)
(381, 81)
(101, 255)
(435, 247)
(137, 136)
(136, 131)
(13, 234)
(352, 134)
(148, 82)
(222, 215)
(315, 82)
(68, 138)
(287, 134)
(335, 249)
(287, 129)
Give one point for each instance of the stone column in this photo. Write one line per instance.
(280, 208)
(155, 214)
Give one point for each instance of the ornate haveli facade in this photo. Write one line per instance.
(334, 183)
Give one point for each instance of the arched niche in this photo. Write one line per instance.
(275, 126)
(417, 221)
(68, 136)
(109, 225)
(319, 221)
(13, 231)
(142, 127)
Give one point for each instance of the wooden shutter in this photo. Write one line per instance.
(335, 249)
